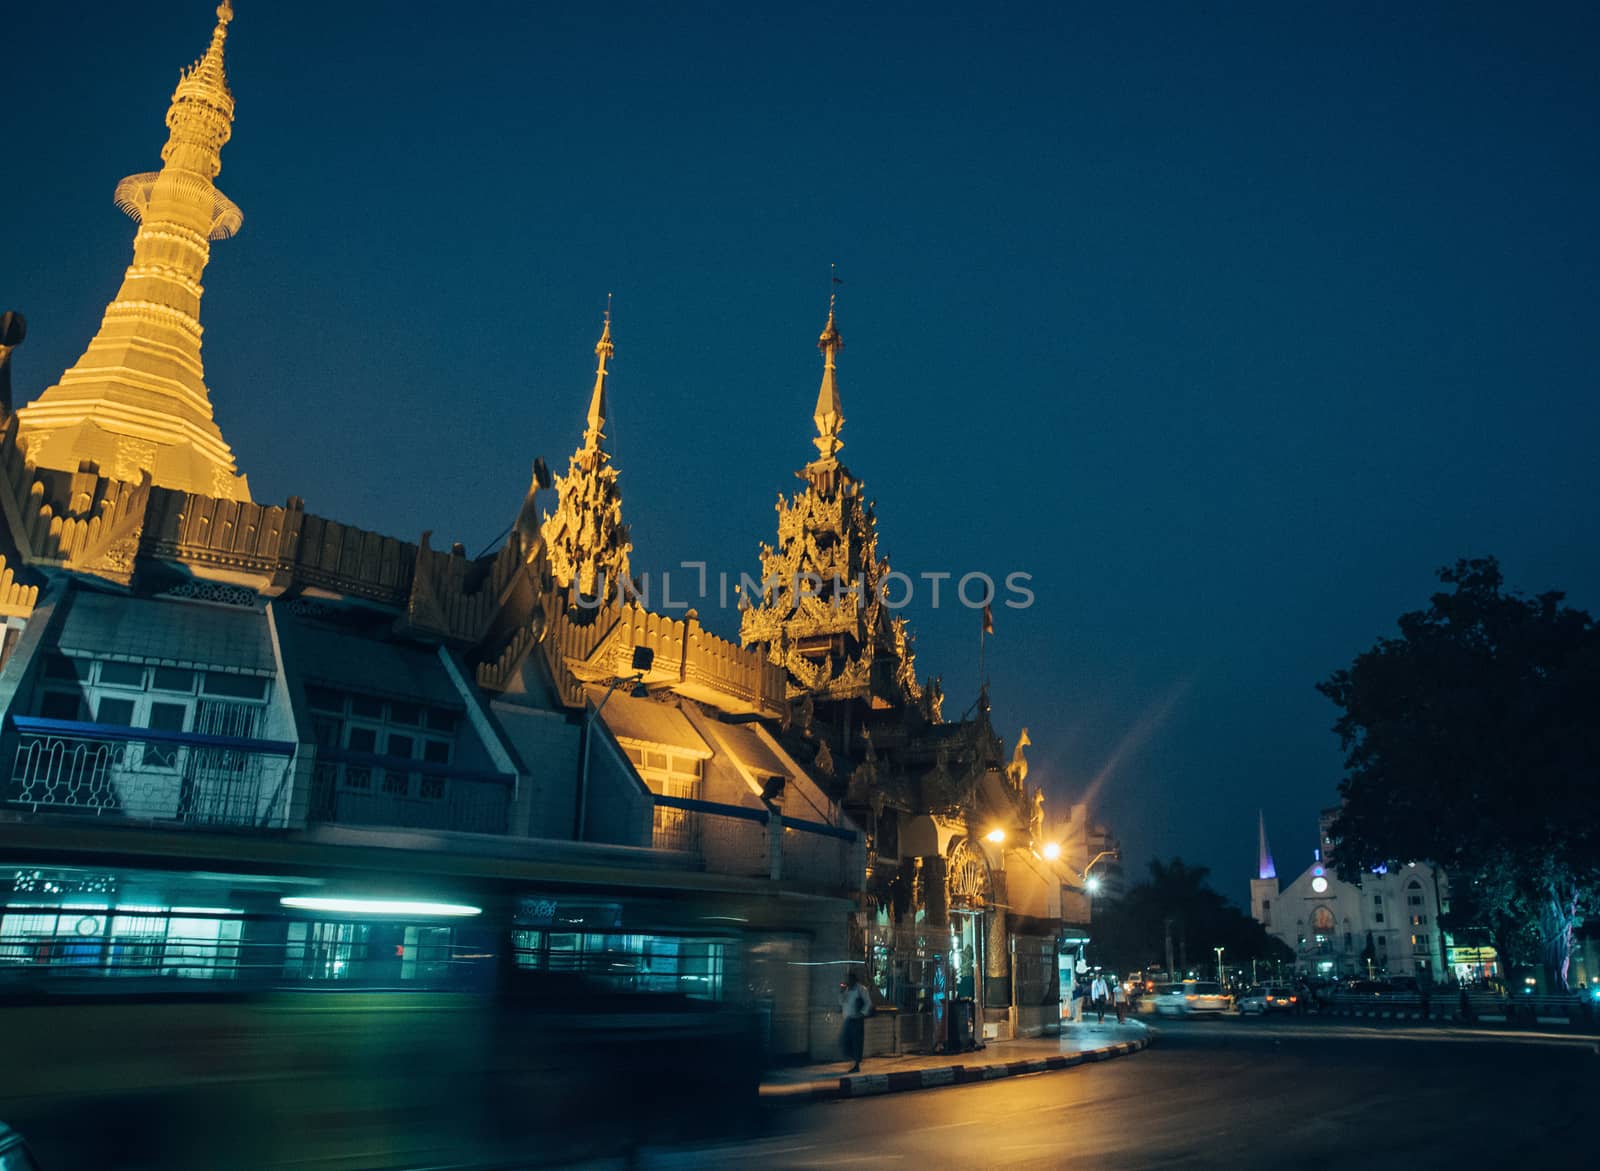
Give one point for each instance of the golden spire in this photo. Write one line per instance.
(829, 414)
(585, 540)
(136, 401)
(603, 350)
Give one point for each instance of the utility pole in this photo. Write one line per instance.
(1167, 923)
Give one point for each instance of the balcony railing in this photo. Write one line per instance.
(141, 774)
(362, 788)
(738, 839)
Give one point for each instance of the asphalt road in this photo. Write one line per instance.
(1228, 1093)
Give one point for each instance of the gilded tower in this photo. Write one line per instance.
(587, 542)
(822, 612)
(136, 401)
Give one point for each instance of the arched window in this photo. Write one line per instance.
(1322, 921)
(1413, 894)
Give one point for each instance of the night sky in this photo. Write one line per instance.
(1228, 323)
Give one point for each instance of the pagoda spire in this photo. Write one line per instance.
(603, 350)
(820, 612)
(585, 538)
(136, 401)
(829, 415)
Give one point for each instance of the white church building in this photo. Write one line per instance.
(1385, 926)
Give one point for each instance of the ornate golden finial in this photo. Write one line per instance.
(603, 350)
(829, 415)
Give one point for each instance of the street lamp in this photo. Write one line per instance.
(643, 659)
(1092, 882)
(1219, 951)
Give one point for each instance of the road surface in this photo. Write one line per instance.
(1274, 1093)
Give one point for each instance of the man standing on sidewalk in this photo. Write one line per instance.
(1098, 992)
(855, 1005)
(1119, 997)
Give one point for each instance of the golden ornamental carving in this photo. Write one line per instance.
(1017, 770)
(968, 878)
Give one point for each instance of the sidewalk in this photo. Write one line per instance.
(1077, 1045)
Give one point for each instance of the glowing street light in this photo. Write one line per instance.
(996, 835)
(1219, 951)
(1052, 851)
(1092, 882)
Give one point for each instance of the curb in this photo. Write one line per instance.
(866, 1085)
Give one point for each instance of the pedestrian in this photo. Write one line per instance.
(855, 1005)
(1119, 997)
(1098, 992)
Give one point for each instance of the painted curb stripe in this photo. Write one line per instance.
(869, 1084)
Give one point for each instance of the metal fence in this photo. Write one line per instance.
(1473, 1007)
(739, 839)
(359, 788)
(106, 770)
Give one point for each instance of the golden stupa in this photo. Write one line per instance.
(136, 401)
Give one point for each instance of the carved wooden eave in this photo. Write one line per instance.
(597, 647)
(95, 529)
(688, 660)
(458, 601)
(87, 524)
(17, 598)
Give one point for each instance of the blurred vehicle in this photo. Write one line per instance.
(1268, 998)
(517, 1020)
(14, 1154)
(1154, 996)
(1193, 996)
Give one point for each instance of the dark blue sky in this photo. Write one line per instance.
(1229, 323)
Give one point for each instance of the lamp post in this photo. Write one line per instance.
(1219, 951)
(643, 658)
(1091, 882)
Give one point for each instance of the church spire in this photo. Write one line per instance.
(136, 401)
(1264, 865)
(603, 350)
(829, 414)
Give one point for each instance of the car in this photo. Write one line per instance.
(1194, 996)
(14, 1154)
(1268, 998)
(1154, 996)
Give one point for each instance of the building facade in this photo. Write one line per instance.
(1384, 926)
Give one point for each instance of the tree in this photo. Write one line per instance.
(1471, 741)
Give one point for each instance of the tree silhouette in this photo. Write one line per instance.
(1471, 741)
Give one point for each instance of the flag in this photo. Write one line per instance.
(988, 620)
